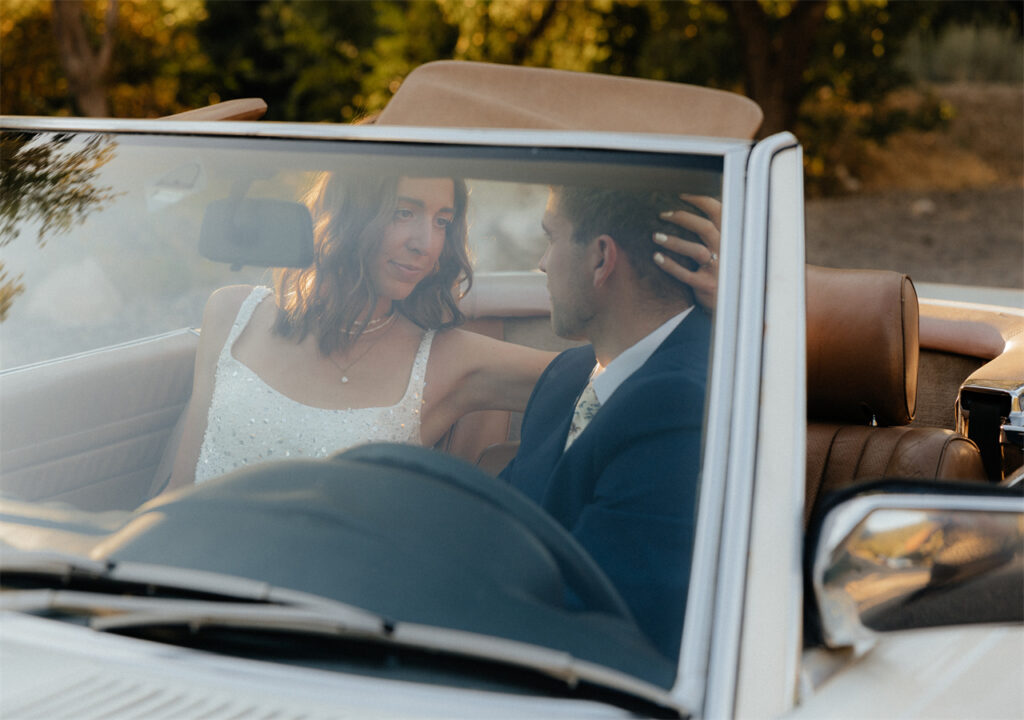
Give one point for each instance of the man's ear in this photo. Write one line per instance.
(605, 258)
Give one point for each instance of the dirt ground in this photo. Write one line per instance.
(943, 207)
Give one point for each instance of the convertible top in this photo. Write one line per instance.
(452, 93)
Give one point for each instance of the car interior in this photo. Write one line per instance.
(895, 387)
(113, 448)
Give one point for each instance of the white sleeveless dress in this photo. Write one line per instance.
(250, 422)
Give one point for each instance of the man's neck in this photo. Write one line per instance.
(622, 326)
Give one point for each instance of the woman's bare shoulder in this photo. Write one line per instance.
(222, 309)
(227, 299)
(224, 303)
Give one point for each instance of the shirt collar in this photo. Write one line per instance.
(607, 380)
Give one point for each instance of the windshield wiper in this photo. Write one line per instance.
(120, 612)
(150, 579)
(328, 622)
(259, 606)
(48, 562)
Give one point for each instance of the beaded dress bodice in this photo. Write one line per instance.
(251, 422)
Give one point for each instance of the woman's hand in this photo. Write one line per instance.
(703, 280)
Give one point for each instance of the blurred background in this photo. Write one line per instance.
(911, 113)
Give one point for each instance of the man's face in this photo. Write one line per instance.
(569, 282)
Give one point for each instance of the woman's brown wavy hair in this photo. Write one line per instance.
(330, 297)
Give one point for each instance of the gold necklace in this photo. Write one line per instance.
(344, 369)
(375, 324)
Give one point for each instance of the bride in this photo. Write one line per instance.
(362, 345)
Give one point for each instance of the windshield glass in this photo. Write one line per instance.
(101, 232)
(207, 320)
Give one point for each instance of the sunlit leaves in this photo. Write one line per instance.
(50, 181)
(316, 60)
(155, 49)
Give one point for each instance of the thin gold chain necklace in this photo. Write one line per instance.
(374, 325)
(345, 368)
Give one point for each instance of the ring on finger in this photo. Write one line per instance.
(712, 259)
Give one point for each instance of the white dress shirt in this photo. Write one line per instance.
(607, 380)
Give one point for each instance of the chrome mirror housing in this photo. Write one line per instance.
(896, 561)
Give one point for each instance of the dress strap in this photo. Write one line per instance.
(245, 311)
(418, 376)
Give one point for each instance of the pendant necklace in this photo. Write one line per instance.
(372, 326)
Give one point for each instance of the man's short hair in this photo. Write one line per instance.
(631, 218)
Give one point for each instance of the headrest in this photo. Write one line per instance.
(862, 346)
(452, 93)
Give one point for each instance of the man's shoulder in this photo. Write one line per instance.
(570, 362)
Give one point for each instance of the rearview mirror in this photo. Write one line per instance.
(888, 561)
(257, 232)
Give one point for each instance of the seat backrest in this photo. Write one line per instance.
(862, 363)
(91, 430)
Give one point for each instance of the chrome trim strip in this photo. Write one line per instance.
(730, 589)
(631, 142)
(100, 350)
(841, 522)
(700, 602)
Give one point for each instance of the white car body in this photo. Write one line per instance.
(742, 653)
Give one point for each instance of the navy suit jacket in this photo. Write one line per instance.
(627, 486)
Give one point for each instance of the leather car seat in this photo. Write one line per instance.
(862, 364)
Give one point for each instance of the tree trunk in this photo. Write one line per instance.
(86, 68)
(775, 55)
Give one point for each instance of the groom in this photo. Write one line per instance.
(611, 439)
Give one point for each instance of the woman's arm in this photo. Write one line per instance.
(218, 317)
(470, 372)
(703, 280)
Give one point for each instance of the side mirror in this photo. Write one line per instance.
(258, 232)
(907, 555)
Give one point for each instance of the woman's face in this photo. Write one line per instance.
(415, 236)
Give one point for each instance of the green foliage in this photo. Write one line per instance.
(10, 288)
(322, 60)
(50, 181)
(31, 81)
(305, 58)
(156, 55)
(965, 53)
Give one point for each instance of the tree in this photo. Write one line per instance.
(86, 68)
(776, 48)
(66, 58)
(306, 59)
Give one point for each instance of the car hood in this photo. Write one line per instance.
(56, 670)
(968, 671)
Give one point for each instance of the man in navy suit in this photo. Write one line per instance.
(611, 439)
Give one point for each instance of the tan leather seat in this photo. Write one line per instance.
(862, 361)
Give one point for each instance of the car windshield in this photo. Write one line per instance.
(101, 232)
(112, 246)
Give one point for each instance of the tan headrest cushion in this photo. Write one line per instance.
(451, 93)
(862, 346)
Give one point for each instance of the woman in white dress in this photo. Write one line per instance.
(362, 345)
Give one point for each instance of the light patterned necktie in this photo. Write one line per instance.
(586, 408)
